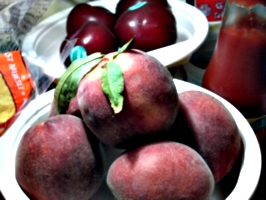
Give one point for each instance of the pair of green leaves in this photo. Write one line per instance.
(112, 80)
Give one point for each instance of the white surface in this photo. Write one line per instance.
(39, 109)
(43, 41)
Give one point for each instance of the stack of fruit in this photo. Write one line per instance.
(175, 145)
(97, 29)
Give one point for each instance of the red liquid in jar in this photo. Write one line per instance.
(237, 69)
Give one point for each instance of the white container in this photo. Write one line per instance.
(194, 74)
(43, 41)
(241, 187)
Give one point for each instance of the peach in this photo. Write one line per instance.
(73, 108)
(206, 125)
(59, 158)
(160, 171)
(150, 101)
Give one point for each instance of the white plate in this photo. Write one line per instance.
(246, 182)
(43, 41)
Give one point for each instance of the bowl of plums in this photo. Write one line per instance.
(118, 125)
(171, 31)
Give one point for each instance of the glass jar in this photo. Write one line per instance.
(237, 69)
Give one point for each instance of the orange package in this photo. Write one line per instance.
(16, 87)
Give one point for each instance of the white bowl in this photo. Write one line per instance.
(194, 74)
(239, 185)
(43, 41)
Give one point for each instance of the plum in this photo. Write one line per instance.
(207, 126)
(150, 101)
(59, 158)
(94, 37)
(153, 26)
(159, 171)
(84, 12)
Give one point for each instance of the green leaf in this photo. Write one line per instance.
(124, 47)
(113, 80)
(113, 85)
(67, 86)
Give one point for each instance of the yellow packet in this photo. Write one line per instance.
(16, 87)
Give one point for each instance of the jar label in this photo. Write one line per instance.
(213, 10)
